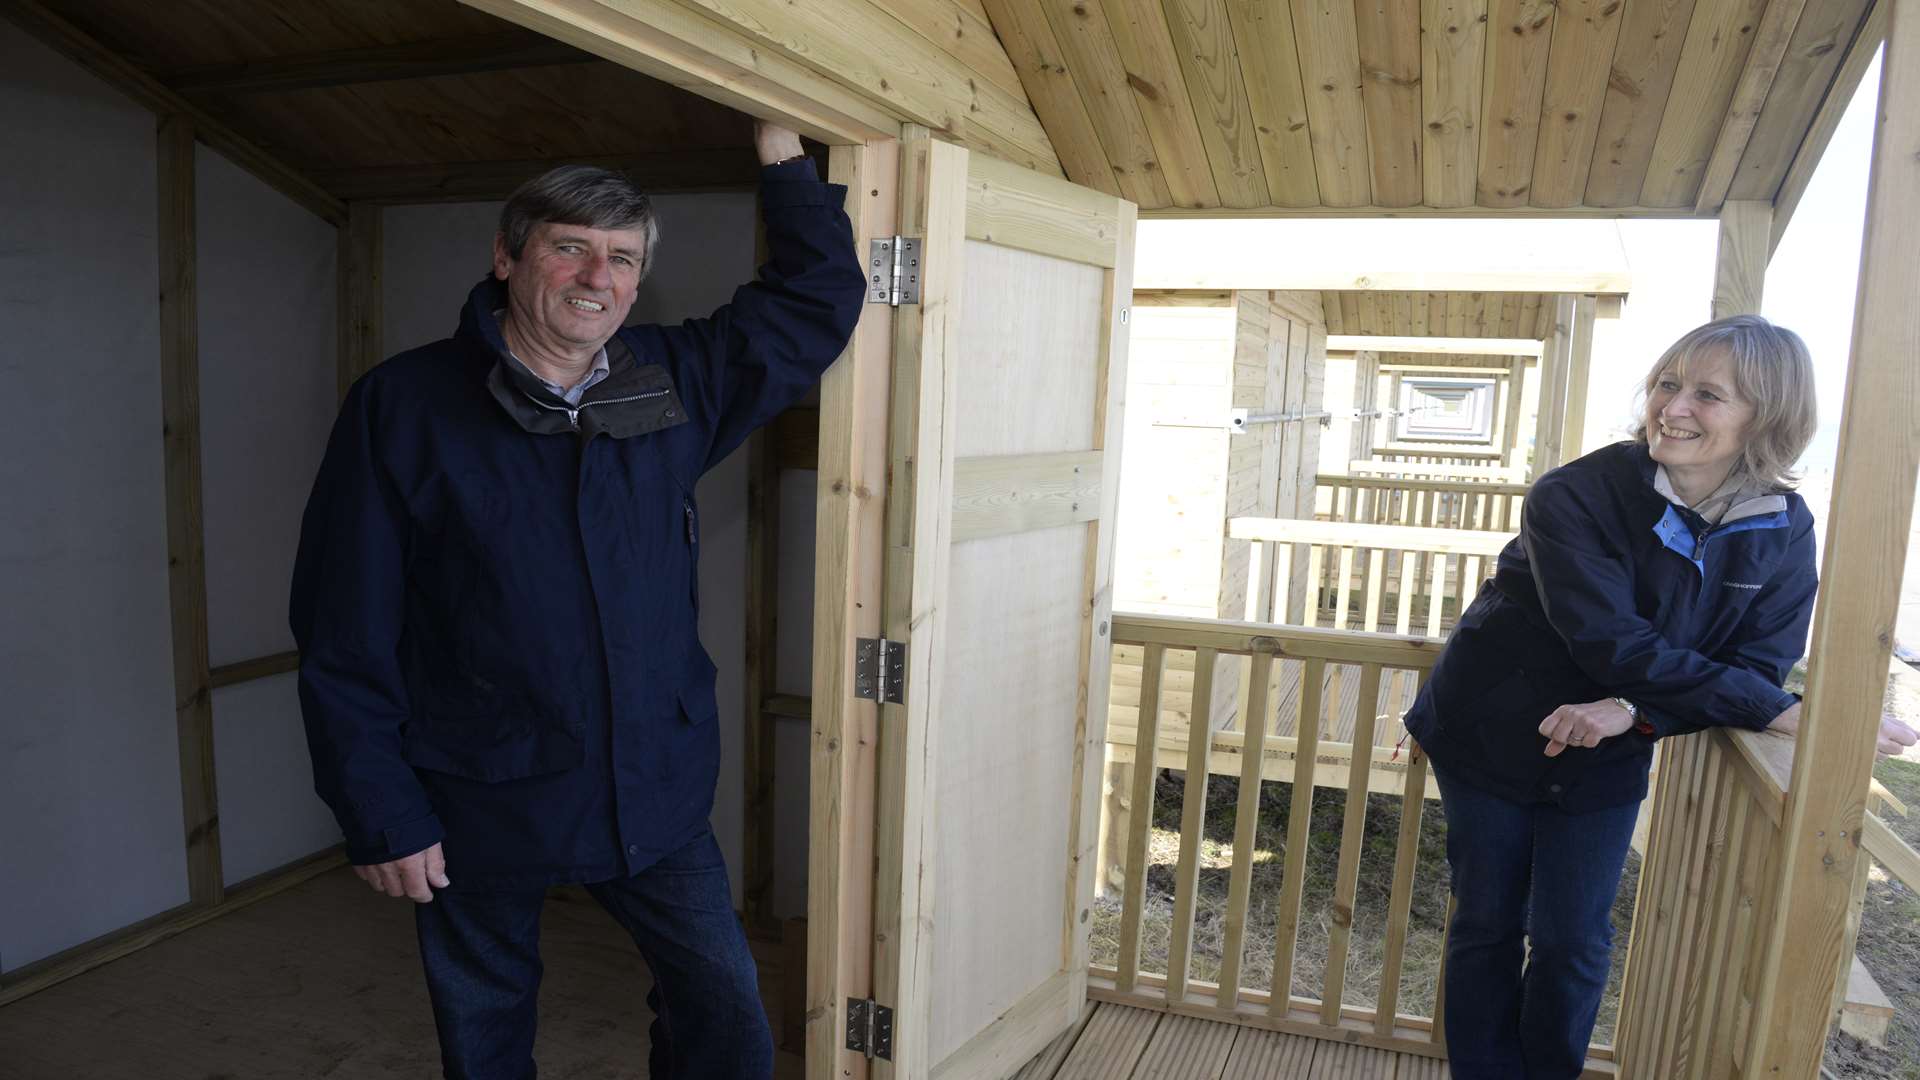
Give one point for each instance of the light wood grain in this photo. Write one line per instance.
(1750, 94)
(1050, 85)
(1246, 817)
(1015, 207)
(1193, 806)
(1578, 65)
(1270, 66)
(1337, 118)
(849, 539)
(1152, 62)
(1821, 42)
(1086, 42)
(1299, 822)
(1347, 873)
(1203, 39)
(1879, 458)
(1020, 492)
(1846, 82)
(1140, 828)
(1647, 55)
(186, 525)
(1710, 66)
(1453, 44)
(1740, 262)
(1389, 43)
(1519, 37)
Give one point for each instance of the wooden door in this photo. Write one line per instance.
(1005, 455)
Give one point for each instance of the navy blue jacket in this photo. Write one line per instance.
(1612, 591)
(495, 595)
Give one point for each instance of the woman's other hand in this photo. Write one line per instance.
(1584, 725)
(1894, 736)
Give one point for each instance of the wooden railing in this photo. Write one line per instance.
(1439, 454)
(1399, 578)
(1292, 727)
(1706, 902)
(1405, 470)
(1440, 504)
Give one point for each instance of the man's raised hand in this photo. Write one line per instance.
(774, 143)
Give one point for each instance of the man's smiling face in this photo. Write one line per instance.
(572, 286)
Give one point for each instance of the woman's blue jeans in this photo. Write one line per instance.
(1528, 949)
(482, 955)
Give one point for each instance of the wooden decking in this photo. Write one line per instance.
(1118, 1042)
(324, 980)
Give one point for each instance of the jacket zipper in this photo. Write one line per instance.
(573, 411)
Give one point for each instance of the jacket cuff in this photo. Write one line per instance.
(797, 183)
(396, 842)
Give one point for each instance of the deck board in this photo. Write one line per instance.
(1111, 1045)
(1120, 1042)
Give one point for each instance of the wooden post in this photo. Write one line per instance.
(1550, 418)
(186, 549)
(358, 295)
(847, 573)
(1579, 362)
(1516, 388)
(1740, 266)
(1879, 455)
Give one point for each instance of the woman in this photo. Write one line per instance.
(1657, 587)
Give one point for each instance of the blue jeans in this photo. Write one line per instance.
(1532, 885)
(482, 955)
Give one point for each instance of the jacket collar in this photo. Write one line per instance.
(633, 399)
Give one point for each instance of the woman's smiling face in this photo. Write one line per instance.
(1696, 418)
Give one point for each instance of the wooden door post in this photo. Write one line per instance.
(1879, 456)
(1573, 430)
(1740, 266)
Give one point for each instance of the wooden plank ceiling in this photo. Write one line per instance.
(1438, 314)
(1631, 106)
(416, 100)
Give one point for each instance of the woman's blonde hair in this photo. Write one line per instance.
(1773, 370)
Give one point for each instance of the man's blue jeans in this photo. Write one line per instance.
(482, 955)
(1532, 885)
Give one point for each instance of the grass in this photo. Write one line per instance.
(1889, 946)
(1366, 951)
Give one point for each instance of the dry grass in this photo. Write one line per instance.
(1368, 942)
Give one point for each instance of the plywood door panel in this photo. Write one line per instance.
(991, 767)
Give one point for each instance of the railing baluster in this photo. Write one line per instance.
(1193, 811)
(1246, 819)
(1306, 731)
(1403, 618)
(1469, 583)
(1400, 903)
(1376, 572)
(1140, 824)
(1347, 875)
(1343, 590)
(1701, 803)
(1710, 957)
(1438, 1035)
(1310, 603)
(1436, 592)
(1283, 583)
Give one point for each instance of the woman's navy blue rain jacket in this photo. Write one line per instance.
(1612, 591)
(495, 608)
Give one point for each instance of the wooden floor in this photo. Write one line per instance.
(1117, 1042)
(324, 980)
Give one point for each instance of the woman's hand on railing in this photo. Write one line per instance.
(1584, 725)
(1894, 736)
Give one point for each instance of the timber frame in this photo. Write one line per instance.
(759, 58)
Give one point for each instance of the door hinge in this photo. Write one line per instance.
(893, 271)
(880, 670)
(870, 1029)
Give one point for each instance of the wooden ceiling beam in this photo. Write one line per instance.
(1846, 83)
(380, 63)
(479, 181)
(1459, 346)
(1769, 51)
(70, 41)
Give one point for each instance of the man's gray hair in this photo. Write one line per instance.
(583, 195)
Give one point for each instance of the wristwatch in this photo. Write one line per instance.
(1633, 714)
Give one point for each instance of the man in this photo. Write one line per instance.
(495, 602)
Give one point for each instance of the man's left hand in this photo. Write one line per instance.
(774, 143)
(1584, 725)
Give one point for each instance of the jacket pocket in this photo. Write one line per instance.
(481, 748)
(698, 704)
